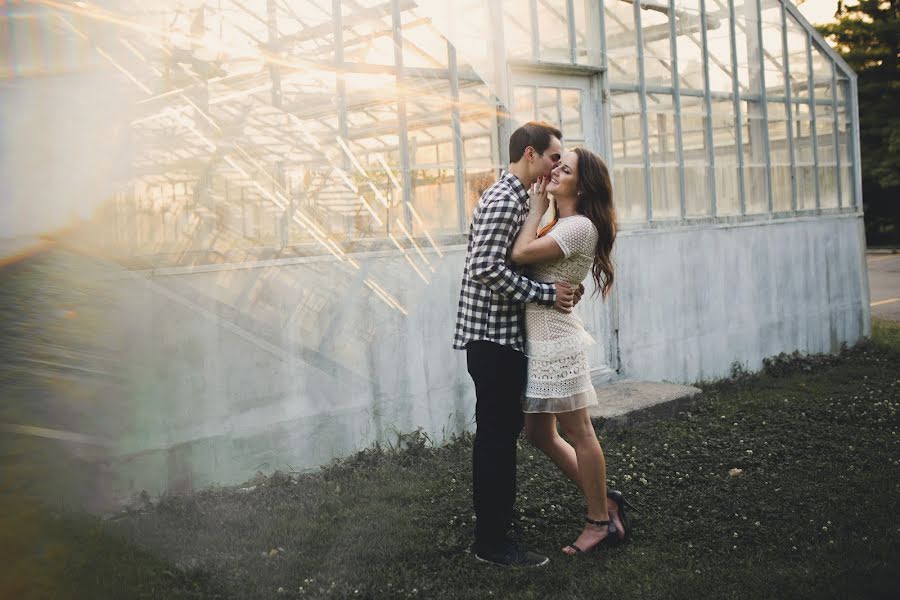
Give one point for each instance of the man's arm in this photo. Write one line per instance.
(493, 232)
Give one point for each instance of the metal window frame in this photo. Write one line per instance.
(789, 106)
(676, 100)
(707, 125)
(736, 99)
(764, 105)
(642, 99)
(836, 141)
(813, 134)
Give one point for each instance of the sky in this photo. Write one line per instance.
(818, 12)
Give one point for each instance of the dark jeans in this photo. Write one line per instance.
(499, 374)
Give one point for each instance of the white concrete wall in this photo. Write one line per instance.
(693, 301)
(286, 366)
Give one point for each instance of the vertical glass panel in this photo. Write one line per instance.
(571, 122)
(746, 46)
(621, 42)
(478, 127)
(628, 156)
(780, 157)
(719, 39)
(517, 29)
(548, 105)
(664, 166)
(798, 62)
(433, 179)
(587, 32)
(657, 48)
(689, 41)
(753, 128)
(825, 122)
(553, 30)
(773, 49)
(803, 157)
(523, 104)
(848, 188)
(696, 158)
(423, 44)
(825, 148)
(822, 81)
(725, 144)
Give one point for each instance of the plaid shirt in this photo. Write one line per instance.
(493, 293)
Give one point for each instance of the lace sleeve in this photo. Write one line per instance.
(575, 235)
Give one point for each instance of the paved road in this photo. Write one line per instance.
(884, 285)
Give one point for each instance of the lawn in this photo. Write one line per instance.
(813, 513)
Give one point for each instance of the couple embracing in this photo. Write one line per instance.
(525, 349)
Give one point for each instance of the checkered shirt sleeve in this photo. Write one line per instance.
(493, 292)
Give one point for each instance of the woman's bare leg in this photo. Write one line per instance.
(540, 429)
(592, 474)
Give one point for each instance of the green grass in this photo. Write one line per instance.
(814, 514)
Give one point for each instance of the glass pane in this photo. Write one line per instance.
(689, 42)
(664, 166)
(517, 29)
(745, 44)
(696, 162)
(571, 102)
(780, 157)
(756, 193)
(773, 53)
(547, 107)
(628, 158)
(825, 122)
(803, 157)
(553, 30)
(725, 145)
(719, 40)
(523, 104)
(822, 76)
(480, 153)
(657, 49)
(798, 62)
(423, 44)
(587, 32)
(827, 168)
(844, 146)
(621, 41)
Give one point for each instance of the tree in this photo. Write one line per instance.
(866, 33)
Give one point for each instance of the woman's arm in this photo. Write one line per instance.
(528, 248)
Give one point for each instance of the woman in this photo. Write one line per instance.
(559, 386)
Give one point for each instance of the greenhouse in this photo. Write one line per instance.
(281, 191)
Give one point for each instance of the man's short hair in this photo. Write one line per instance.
(536, 134)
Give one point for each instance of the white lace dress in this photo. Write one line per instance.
(559, 376)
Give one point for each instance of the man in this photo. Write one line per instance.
(490, 327)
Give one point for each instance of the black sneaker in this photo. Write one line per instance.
(509, 554)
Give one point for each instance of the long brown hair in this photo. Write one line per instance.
(595, 201)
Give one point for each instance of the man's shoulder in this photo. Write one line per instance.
(501, 195)
(499, 189)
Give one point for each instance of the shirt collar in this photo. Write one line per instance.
(517, 186)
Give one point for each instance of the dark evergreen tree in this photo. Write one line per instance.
(867, 35)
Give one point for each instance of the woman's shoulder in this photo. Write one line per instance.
(579, 223)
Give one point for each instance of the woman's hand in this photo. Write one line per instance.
(538, 199)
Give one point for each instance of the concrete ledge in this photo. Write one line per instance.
(627, 402)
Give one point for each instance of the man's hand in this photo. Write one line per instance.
(579, 292)
(565, 297)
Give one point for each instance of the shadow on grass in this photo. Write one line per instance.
(812, 513)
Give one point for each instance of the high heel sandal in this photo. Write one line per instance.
(611, 536)
(617, 497)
